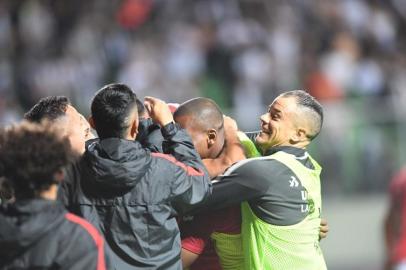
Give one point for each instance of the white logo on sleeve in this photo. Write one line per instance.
(293, 182)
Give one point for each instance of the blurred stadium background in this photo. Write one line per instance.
(350, 54)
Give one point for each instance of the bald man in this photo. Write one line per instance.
(203, 120)
(217, 143)
(280, 191)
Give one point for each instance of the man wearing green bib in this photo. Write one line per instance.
(280, 190)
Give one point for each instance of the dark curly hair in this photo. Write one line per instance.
(30, 155)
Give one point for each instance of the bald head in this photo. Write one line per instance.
(203, 113)
(203, 120)
(309, 111)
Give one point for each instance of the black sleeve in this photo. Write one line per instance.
(149, 135)
(83, 248)
(178, 143)
(67, 187)
(191, 182)
(243, 183)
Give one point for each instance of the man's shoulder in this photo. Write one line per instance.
(80, 230)
(258, 165)
(171, 162)
(166, 159)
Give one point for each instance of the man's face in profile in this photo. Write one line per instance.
(77, 128)
(277, 124)
(206, 145)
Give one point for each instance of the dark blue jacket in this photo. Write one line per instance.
(41, 234)
(128, 193)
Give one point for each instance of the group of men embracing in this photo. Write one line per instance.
(117, 200)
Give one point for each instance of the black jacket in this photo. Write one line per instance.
(149, 135)
(40, 234)
(127, 192)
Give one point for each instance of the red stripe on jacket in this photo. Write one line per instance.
(101, 263)
(189, 170)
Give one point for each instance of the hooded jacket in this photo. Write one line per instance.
(128, 193)
(40, 234)
(149, 135)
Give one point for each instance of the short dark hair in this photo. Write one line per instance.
(30, 156)
(205, 112)
(140, 107)
(50, 108)
(111, 107)
(314, 109)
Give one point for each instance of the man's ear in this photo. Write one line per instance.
(91, 122)
(299, 136)
(134, 127)
(211, 137)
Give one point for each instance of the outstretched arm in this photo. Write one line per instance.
(176, 140)
(188, 258)
(190, 182)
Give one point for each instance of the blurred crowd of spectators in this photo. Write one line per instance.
(240, 52)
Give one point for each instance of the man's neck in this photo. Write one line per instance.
(50, 194)
(276, 148)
